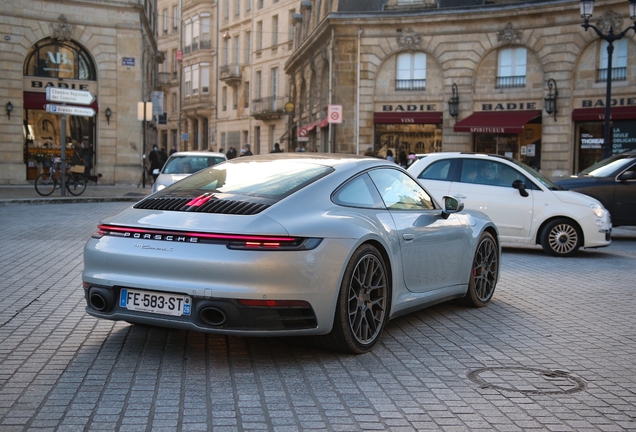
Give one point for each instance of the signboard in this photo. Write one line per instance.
(303, 134)
(624, 136)
(156, 97)
(81, 97)
(334, 114)
(70, 110)
(127, 61)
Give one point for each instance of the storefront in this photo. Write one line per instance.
(62, 64)
(590, 133)
(516, 134)
(405, 132)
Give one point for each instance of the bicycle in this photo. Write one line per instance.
(47, 182)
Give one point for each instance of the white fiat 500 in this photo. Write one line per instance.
(526, 206)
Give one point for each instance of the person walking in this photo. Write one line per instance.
(276, 148)
(154, 158)
(389, 156)
(245, 151)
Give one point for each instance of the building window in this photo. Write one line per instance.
(175, 19)
(248, 7)
(188, 37)
(205, 78)
(246, 94)
(174, 102)
(235, 98)
(512, 68)
(237, 8)
(226, 10)
(292, 28)
(205, 33)
(165, 21)
(274, 79)
(619, 61)
(275, 30)
(188, 80)
(248, 47)
(259, 35)
(224, 98)
(175, 64)
(237, 50)
(411, 71)
(195, 79)
(226, 52)
(260, 4)
(259, 88)
(196, 29)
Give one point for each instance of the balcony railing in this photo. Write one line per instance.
(230, 74)
(187, 49)
(410, 84)
(268, 107)
(511, 81)
(163, 78)
(205, 44)
(618, 74)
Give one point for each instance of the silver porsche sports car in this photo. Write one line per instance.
(288, 245)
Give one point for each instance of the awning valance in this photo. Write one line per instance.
(427, 117)
(598, 114)
(496, 121)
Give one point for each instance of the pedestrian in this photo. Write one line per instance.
(403, 159)
(245, 151)
(164, 156)
(154, 158)
(389, 156)
(231, 153)
(369, 152)
(77, 159)
(173, 150)
(276, 148)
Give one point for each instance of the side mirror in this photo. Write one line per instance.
(521, 187)
(451, 205)
(155, 171)
(627, 175)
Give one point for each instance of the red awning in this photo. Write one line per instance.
(311, 126)
(323, 123)
(598, 114)
(496, 121)
(428, 117)
(33, 100)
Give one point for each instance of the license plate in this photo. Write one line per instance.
(154, 302)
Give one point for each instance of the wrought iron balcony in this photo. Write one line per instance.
(511, 81)
(618, 74)
(268, 107)
(410, 84)
(230, 74)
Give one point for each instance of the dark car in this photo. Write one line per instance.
(612, 181)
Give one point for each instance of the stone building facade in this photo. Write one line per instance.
(107, 48)
(394, 65)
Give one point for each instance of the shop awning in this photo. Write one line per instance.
(496, 121)
(323, 123)
(33, 100)
(312, 126)
(427, 117)
(598, 114)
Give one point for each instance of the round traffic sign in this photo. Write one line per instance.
(335, 116)
(302, 132)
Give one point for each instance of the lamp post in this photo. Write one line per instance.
(587, 8)
(453, 103)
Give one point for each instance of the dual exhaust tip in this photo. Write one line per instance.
(103, 300)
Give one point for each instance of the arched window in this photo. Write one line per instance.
(511, 70)
(59, 59)
(411, 71)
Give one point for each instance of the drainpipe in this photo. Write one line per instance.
(360, 31)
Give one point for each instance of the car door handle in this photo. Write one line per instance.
(408, 237)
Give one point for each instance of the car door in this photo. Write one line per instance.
(432, 247)
(624, 209)
(486, 185)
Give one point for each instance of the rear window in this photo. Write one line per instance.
(266, 179)
(439, 170)
(190, 164)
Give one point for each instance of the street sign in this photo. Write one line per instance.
(70, 110)
(302, 132)
(81, 97)
(335, 113)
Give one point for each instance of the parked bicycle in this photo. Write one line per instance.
(47, 182)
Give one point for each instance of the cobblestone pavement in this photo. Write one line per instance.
(554, 351)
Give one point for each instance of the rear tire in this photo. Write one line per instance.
(561, 237)
(483, 273)
(363, 304)
(45, 184)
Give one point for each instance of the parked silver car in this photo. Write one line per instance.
(181, 164)
(286, 245)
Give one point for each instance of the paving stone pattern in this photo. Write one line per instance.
(62, 370)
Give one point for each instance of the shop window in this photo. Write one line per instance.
(411, 71)
(54, 59)
(619, 61)
(512, 68)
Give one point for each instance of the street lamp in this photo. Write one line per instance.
(587, 8)
(550, 99)
(9, 108)
(108, 113)
(453, 103)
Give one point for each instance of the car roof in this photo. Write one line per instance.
(197, 153)
(441, 155)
